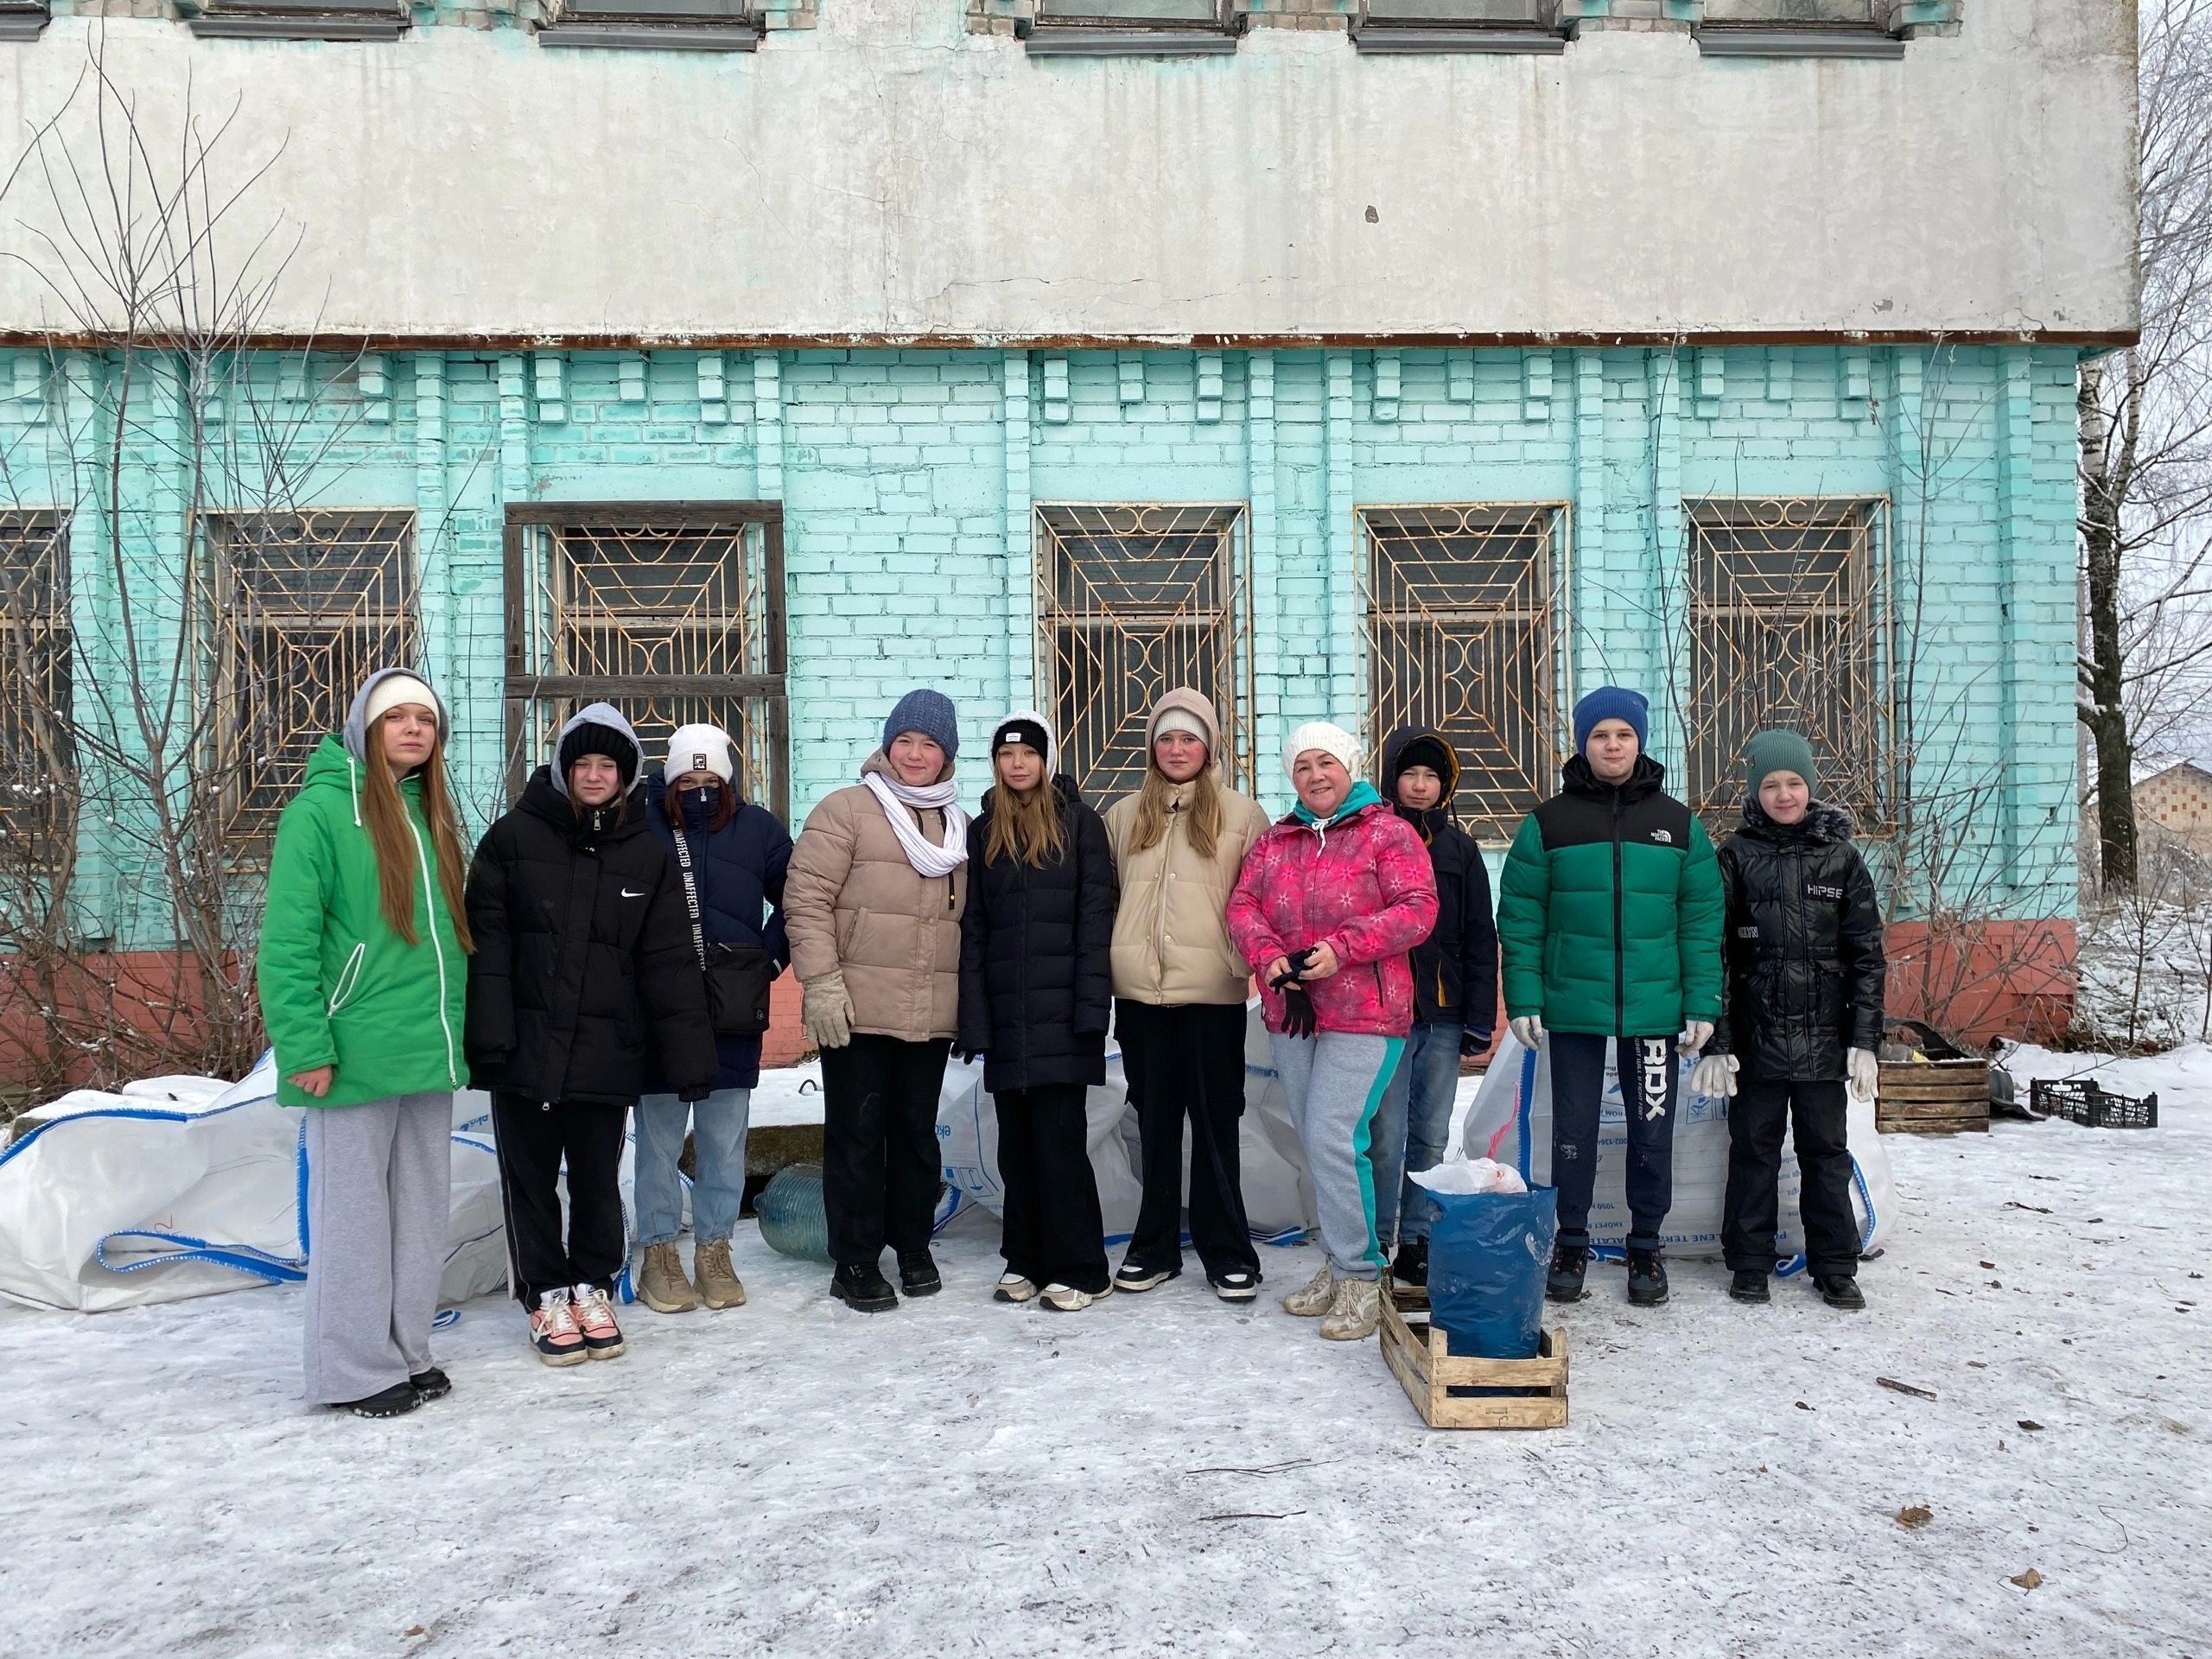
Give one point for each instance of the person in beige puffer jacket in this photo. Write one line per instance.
(1179, 987)
(871, 905)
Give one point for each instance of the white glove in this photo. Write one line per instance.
(826, 1010)
(1528, 1030)
(1866, 1073)
(1695, 1035)
(1715, 1076)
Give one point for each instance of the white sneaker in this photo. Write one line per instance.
(1013, 1287)
(1316, 1297)
(1066, 1299)
(1355, 1312)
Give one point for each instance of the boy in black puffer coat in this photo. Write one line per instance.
(1455, 994)
(1036, 996)
(1803, 1020)
(583, 954)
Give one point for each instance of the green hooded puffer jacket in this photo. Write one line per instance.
(338, 986)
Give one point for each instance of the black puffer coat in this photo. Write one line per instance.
(1455, 967)
(1803, 948)
(583, 954)
(1036, 971)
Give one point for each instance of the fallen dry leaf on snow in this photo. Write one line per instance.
(1915, 1515)
(2029, 1579)
(2030, 1422)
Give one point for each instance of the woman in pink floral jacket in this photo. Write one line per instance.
(1330, 902)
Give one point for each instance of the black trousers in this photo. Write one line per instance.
(1762, 1110)
(1188, 1062)
(535, 1138)
(880, 1170)
(1050, 1232)
(1648, 1072)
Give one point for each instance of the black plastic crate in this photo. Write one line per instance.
(2079, 1101)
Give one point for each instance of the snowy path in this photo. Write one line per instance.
(961, 1478)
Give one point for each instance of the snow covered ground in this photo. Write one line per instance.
(1164, 1475)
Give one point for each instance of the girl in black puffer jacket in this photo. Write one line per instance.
(584, 954)
(1036, 996)
(1803, 1020)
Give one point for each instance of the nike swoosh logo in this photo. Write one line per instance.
(626, 894)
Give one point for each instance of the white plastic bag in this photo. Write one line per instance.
(1511, 1122)
(1466, 1176)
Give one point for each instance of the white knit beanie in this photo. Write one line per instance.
(1330, 739)
(393, 690)
(699, 748)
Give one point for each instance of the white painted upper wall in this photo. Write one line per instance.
(888, 176)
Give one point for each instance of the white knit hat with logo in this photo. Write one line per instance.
(699, 748)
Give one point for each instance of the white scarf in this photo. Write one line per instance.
(927, 861)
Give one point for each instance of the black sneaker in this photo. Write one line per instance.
(1564, 1282)
(863, 1289)
(1412, 1265)
(1749, 1286)
(1132, 1278)
(433, 1384)
(394, 1402)
(917, 1275)
(1236, 1286)
(1647, 1278)
(1840, 1290)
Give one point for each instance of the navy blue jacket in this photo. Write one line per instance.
(1455, 968)
(738, 869)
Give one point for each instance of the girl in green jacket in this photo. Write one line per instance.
(1609, 927)
(362, 972)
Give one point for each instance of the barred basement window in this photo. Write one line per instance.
(1783, 633)
(1131, 601)
(38, 756)
(1462, 637)
(674, 614)
(302, 608)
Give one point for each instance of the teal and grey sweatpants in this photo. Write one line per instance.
(1334, 1083)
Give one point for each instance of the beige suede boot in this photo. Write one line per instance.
(662, 1287)
(718, 1282)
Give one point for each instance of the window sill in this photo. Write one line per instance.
(1127, 43)
(296, 29)
(1512, 43)
(21, 25)
(650, 37)
(1799, 44)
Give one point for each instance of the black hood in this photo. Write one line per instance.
(543, 797)
(1824, 824)
(1644, 781)
(1393, 749)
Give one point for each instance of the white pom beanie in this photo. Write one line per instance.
(699, 748)
(1330, 739)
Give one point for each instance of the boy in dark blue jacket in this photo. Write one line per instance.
(1455, 995)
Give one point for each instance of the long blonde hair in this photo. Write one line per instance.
(1201, 816)
(1025, 825)
(384, 815)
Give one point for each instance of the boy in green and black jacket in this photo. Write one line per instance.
(1609, 924)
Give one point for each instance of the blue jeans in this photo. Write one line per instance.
(718, 1124)
(1411, 1128)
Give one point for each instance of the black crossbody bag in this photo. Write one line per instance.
(738, 975)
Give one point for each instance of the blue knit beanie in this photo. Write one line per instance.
(1612, 703)
(930, 712)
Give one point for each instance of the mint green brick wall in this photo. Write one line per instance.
(908, 479)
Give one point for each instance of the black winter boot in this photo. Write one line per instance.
(1840, 1290)
(433, 1384)
(917, 1275)
(863, 1289)
(390, 1402)
(1412, 1265)
(1647, 1278)
(1749, 1286)
(1569, 1263)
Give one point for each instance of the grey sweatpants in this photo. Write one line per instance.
(1334, 1083)
(379, 1192)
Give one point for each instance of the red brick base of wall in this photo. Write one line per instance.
(1981, 980)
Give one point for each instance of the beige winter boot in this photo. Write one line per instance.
(662, 1287)
(718, 1282)
(1317, 1296)
(1355, 1312)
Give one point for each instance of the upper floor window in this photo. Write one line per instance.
(1832, 29)
(1406, 26)
(297, 20)
(651, 25)
(1129, 28)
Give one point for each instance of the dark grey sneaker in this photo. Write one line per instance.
(1132, 1279)
(1647, 1278)
(1749, 1286)
(1564, 1282)
(1840, 1290)
(1412, 1265)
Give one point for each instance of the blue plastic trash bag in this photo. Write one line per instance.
(1488, 1254)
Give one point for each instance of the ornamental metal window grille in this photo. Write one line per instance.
(38, 755)
(1783, 633)
(303, 606)
(1133, 601)
(674, 614)
(1462, 637)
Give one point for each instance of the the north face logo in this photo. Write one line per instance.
(1664, 835)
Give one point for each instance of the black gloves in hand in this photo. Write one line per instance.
(1298, 1016)
(1473, 1043)
(968, 1056)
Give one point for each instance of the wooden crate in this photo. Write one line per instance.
(1933, 1098)
(1415, 1349)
